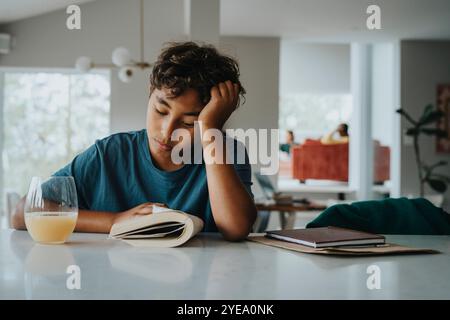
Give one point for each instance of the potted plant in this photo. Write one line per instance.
(426, 173)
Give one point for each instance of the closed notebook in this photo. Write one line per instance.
(327, 237)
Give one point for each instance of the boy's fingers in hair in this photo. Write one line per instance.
(236, 88)
(215, 93)
(231, 92)
(223, 90)
(236, 94)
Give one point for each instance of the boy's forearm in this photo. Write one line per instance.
(94, 221)
(232, 206)
(87, 221)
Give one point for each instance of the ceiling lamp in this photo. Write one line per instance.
(121, 57)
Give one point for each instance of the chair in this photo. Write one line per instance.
(268, 190)
(387, 216)
(12, 199)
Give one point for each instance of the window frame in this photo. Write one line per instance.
(7, 69)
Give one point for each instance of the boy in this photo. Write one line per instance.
(122, 175)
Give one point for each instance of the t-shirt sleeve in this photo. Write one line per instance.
(245, 174)
(85, 169)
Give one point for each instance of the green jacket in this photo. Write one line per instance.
(388, 216)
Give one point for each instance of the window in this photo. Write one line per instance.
(48, 118)
(313, 115)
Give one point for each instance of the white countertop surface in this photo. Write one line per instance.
(211, 268)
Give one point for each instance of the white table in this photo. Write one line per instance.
(211, 268)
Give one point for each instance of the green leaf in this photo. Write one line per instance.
(440, 177)
(440, 163)
(426, 112)
(431, 117)
(434, 132)
(406, 116)
(437, 185)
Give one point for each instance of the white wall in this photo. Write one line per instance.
(44, 41)
(259, 63)
(314, 68)
(360, 146)
(424, 65)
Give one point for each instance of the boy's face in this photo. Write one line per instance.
(166, 114)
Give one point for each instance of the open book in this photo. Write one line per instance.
(163, 228)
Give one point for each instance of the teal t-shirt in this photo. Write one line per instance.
(117, 173)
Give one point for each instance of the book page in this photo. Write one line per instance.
(172, 232)
(163, 228)
(152, 229)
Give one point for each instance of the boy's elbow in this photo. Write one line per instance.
(17, 218)
(17, 222)
(238, 231)
(235, 236)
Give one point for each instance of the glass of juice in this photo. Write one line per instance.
(51, 209)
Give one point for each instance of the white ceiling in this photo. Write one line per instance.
(312, 20)
(12, 10)
(336, 20)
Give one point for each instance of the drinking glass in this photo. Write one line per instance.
(51, 209)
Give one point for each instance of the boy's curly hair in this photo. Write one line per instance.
(187, 65)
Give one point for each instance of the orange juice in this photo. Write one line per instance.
(50, 227)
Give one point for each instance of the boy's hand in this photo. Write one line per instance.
(142, 209)
(224, 99)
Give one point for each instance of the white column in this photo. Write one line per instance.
(361, 142)
(2, 136)
(202, 20)
(396, 128)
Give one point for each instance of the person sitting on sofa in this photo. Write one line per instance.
(342, 130)
(290, 141)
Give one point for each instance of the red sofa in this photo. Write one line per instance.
(314, 160)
